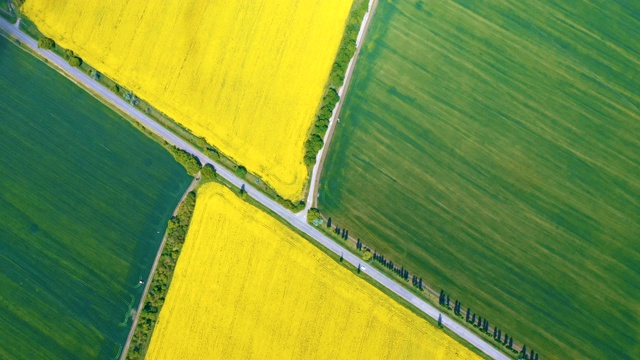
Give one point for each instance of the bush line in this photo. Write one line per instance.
(336, 78)
(176, 233)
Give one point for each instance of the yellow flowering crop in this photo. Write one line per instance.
(246, 286)
(248, 75)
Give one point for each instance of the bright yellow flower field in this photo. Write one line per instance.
(246, 286)
(248, 75)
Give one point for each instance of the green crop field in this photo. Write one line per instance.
(84, 202)
(493, 148)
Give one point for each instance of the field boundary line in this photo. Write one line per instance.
(314, 181)
(125, 348)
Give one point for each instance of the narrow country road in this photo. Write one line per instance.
(299, 222)
(136, 317)
(314, 182)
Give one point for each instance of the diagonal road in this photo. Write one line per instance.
(299, 222)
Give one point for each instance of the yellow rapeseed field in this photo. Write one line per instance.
(248, 75)
(246, 286)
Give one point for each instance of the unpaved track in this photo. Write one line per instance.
(98, 90)
(125, 349)
(314, 182)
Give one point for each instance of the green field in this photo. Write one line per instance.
(493, 147)
(4, 11)
(84, 204)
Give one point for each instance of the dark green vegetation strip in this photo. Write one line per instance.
(493, 149)
(84, 203)
(176, 234)
(336, 78)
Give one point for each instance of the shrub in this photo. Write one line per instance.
(241, 172)
(46, 43)
(190, 162)
(75, 61)
(212, 153)
(314, 217)
(208, 173)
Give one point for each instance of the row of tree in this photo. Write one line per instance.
(531, 356)
(444, 299)
(398, 270)
(177, 229)
(346, 51)
(343, 233)
(483, 325)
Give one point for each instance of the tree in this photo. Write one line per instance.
(511, 342)
(441, 297)
(241, 172)
(208, 172)
(341, 257)
(531, 354)
(313, 216)
(190, 162)
(523, 352)
(243, 192)
(75, 61)
(358, 268)
(468, 313)
(329, 222)
(313, 145)
(439, 320)
(213, 154)
(46, 43)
